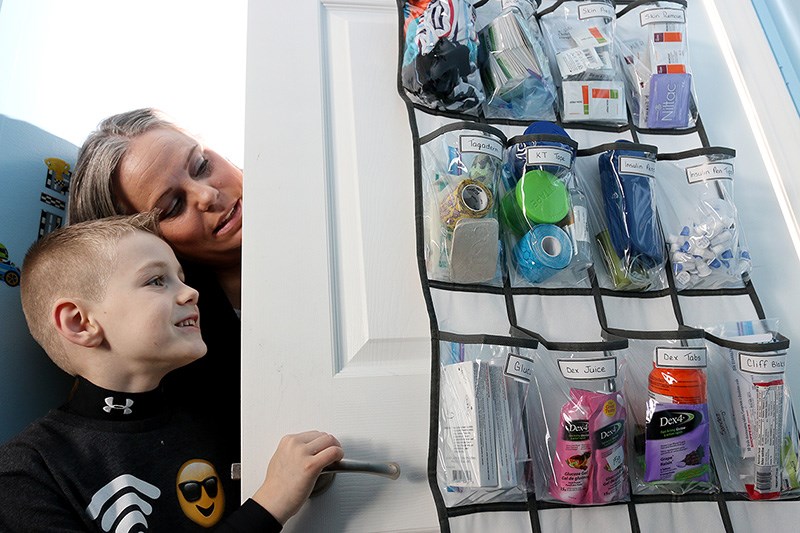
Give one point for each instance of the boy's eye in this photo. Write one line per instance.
(157, 281)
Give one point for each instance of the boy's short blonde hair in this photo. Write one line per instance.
(74, 261)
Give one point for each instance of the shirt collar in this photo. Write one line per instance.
(92, 401)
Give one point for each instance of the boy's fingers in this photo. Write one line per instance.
(322, 442)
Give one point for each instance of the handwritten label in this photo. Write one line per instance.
(481, 145)
(548, 155)
(592, 10)
(710, 171)
(685, 357)
(601, 368)
(519, 367)
(637, 165)
(771, 363)
(665, 15)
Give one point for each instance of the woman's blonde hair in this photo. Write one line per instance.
(91, 194)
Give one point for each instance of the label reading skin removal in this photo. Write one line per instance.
(682, 357)
(665, 15)
(759, 363)
(709, 171)
(519, 368)
(592, 10)
(481, 145)
(548, 155)
(600, 368)
(638, 166)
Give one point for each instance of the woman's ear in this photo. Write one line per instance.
(73, 322)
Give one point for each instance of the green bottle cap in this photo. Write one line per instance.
(543, 197)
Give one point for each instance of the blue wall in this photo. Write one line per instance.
(30, 383)
(781, 22)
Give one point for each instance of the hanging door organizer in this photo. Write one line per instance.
(578, 259)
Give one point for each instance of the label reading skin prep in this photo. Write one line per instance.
(592, 10)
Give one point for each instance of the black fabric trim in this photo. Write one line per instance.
(638, 3)
(644, 295)
(461, 287)
(534, 137)
(612, 342)
(463, 125)
(495, 340)
(599, 149)
(706, 150)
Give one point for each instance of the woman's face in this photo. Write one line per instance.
(198, 192)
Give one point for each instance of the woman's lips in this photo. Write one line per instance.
(231, 221)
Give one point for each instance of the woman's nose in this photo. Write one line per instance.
(205, 196)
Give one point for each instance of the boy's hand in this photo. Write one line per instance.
(294, 469)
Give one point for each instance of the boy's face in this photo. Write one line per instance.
(149, 316)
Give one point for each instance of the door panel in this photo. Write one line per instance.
(335, 331)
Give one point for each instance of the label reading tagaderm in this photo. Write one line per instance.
(548, 155)
(637, 165)
(710, 171)
(600, 368)
(481, 145)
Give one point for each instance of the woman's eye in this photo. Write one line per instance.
(157, 281)
(202, 168)
(174, 209)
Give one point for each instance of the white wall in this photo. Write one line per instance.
(64, 67)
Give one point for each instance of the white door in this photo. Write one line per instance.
(335, 330)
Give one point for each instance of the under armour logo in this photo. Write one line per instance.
(122, 504)
(111, 406)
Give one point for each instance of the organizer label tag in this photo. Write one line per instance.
(762, 363)
(684, 357)
(548, 155)
(600, 368)
(592, 10)
(710, 171)
(637, 165)
(666, 15)
(481, 145)
(519, 367)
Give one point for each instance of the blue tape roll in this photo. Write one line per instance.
(542, 252)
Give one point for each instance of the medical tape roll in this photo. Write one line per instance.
(542, 252)
(471, 199)
(538, 198)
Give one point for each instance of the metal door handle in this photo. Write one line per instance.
(390, 470)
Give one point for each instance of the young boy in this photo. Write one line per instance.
(107, 302)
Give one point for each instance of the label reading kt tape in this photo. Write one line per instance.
(548, 155)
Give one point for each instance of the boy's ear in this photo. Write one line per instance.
(74, 323)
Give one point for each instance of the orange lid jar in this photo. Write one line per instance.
(677, 385)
